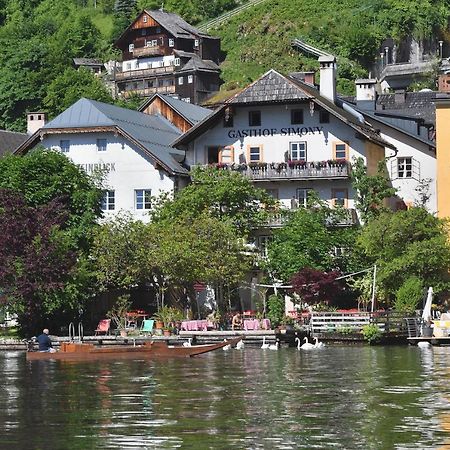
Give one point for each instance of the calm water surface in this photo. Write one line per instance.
(336, 397)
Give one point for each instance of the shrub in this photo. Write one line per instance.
(371, 333)
(408, 295)
(275, 307)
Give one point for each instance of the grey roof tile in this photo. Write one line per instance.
(10, 140)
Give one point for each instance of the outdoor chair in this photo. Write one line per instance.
(147, 326)
(103, 327)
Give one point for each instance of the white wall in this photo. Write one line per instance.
(426, 159)
(275, 123)
(127, 167)
(148, 63)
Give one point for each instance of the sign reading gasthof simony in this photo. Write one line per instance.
(287, 131)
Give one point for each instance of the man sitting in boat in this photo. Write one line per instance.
(45, 343)
(236, 323)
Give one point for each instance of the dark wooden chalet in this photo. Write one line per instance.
(162, 53)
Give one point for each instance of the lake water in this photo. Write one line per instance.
(336, 397)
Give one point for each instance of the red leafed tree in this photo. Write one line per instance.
(314, 286)
(35, 258)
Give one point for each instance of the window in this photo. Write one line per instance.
(152, 43)
(297, 151)
(228, 118)
(254, 154)
(340, 150)
(186, 99)
(101, 145)
(143, 198)
(324, 117)
(158, 30)
(177, 62)
(108, 201)
(171, 42)
(180, 80)
(262, 242)
(144, 19)
(302, 195)
(131, 48)
(128, 66)
(143, 31)
(339, 197)
(196, 42)
(226, 155)
(64, 145)
(254, 118)
(273, 193)
(296, 116)
(190, 79)
(404, 167)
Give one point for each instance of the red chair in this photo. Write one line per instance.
(103, 326)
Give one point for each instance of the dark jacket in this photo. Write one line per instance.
(44, 342)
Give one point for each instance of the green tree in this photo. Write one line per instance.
(371, 190)
(225, 194)
(406, 244)
(409, 295)
(72, 85)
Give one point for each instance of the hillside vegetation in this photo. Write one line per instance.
(39, 38)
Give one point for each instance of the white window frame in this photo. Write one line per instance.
(130, 48)
(302, 195)
(64, 145)
(262, 243)
(297, 151)
(253, 147)
(176, 62)
(196, 43)
(146, 202)
(144, 19)
(171, 42)
(180, 81)
(108, 201)
(190, 79)
(405, 167)
(100, 146)
(186, 99)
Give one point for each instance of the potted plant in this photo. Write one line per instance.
(118, 313)
(168, 316)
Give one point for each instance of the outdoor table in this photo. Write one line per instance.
(251, 324)
(133, 317)
(195, 325)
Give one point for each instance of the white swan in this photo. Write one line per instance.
(423, 344)
(226, 347)
(318, 344)
(240, 345)
(264, 345)
(188, 343)
(307, 345)
(298, 343)
(274, 346)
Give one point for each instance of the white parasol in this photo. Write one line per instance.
(426, 314)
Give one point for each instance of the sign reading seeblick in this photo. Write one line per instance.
(98, 167)
(288, 131)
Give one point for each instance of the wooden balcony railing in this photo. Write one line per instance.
(291, 171)
(144, 73)
(148, 91)
(148, 51)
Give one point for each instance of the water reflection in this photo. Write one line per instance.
(342, 397)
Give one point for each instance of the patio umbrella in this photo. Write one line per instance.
(426, 314)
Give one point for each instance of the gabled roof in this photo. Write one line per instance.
(152, 133)
(10, 140)
(174, 24)
(190, 112)
(196, 63)
(272, 87)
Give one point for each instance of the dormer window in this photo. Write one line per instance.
(144, 19)
(177, 61)
(131, 48)
(171, 42)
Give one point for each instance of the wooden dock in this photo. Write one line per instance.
(433, 340)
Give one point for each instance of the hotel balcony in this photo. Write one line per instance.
(144, 73)
(148, 91)
(293, 170)
(148, 51)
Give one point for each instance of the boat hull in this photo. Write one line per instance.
(84, 352)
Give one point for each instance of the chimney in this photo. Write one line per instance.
(306, 77)
(399, 96)
(328, 77)
(444, 83)
(35, 121)
(366, 94)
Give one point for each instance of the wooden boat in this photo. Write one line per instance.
(73, 351)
